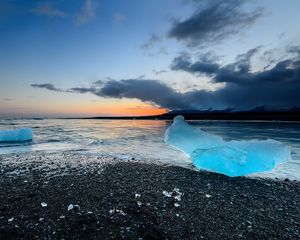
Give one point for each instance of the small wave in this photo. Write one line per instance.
(78, 150)
(53, 140)
(15, 144)
(7, 124)
(96, 142)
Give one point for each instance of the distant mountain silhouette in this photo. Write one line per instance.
(257, 113)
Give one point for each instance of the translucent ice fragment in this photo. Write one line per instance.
(16, 135)
(167, 194)
(187, 139)
(232, 158)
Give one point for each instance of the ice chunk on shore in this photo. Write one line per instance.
(187, 139)
(232, 158)
(16, 135)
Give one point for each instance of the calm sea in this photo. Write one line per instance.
(144, 139)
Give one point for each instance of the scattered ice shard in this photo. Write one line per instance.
(232, 158)
(16, 135)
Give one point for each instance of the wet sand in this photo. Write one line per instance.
(132, 200)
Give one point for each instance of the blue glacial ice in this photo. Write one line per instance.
(16, 135)
(232, 158)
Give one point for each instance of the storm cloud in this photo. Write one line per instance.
(244, 88)
(214, 21)
(48, 86)
(278, 85)
(239, 72)
(146, 90)
(205, 65)
(232, 95)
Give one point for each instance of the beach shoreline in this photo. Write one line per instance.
(134, 200)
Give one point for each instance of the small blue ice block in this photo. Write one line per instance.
(16, 135)
(232, 158)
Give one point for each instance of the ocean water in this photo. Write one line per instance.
(144, 139)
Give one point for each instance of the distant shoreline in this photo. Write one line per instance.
(255, 116)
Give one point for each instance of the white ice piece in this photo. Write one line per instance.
(167, 194)
(70, 207)
(176, 205)
(137, 195)
(118, 211)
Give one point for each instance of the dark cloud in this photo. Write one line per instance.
(232, 95)
(277, 86)
(239, 72)
(48, 86)
(145, 90)
(214, 21)
(204, 65)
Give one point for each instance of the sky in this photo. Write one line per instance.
(67, 58)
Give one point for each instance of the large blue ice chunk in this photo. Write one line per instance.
(232, 158)
(16, 135)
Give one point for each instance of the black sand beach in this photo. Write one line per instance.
(131, 200)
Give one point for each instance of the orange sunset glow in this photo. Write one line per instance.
(122, 108)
